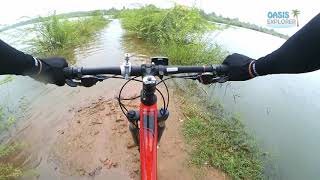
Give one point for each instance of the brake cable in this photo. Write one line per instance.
(168, 96)
(163, 99)
(122, 106)
(91, 80)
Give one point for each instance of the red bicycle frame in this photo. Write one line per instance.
(148, 131)
(148, 141)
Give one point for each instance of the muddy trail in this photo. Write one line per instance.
(91, 140)
(96, 144)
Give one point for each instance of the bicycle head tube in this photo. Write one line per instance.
(148, 96)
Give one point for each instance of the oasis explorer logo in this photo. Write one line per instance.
(283, 19)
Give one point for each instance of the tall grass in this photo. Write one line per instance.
(176, 32)
(56, 36)
(179, 24)
(217, 140)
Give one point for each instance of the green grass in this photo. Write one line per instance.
(179, 24)
(9, 171)
(6, 120)
(219, 140)
(60, 37)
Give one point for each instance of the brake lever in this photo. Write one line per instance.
(91, 80)
(222, 79)
(85, 81)
(209, 78)
(72, 83)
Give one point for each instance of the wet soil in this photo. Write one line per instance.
(96, 144)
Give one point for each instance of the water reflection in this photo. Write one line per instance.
(281, 110)
(137, 46)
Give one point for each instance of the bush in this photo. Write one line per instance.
(179, 24)
(57, 36)
(176, 32)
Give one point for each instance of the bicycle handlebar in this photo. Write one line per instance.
(72, 72)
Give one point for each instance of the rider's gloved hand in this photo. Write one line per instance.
(51, 71)
(241, 67)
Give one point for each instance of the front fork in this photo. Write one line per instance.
(134, 117)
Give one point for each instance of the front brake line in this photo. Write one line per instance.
(123, 107)
(164, 101)
(168, 96)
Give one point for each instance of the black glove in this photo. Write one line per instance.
(239, 67)
(51, 71)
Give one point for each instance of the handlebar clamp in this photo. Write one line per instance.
(126, 67)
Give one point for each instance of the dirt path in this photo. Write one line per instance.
(96, 144)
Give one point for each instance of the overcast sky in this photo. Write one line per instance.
(254, 11)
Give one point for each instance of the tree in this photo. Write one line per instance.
(295, 13)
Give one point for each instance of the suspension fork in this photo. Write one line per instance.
(134, 117)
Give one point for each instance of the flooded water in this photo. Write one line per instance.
(281, 110)
(45, 107)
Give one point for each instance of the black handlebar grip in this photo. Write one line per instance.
(222, 69)
(70, 72)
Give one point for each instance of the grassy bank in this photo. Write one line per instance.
(57, 36)
(217, 140)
